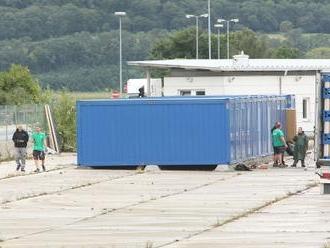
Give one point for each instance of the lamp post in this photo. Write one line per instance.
(120, 15)
(197, 28)
(209, 28)
(235, 20)
(218, 26)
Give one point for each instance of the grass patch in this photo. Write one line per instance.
(85, 95)
(6, 159)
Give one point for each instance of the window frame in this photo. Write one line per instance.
(306, 109)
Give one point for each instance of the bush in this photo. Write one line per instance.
(65, 118)
(17, 87)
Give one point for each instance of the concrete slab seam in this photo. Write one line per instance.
(65, 190)
(109, 211)
(243, 215)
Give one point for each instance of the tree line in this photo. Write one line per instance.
(90, 61)
(48, 18)
(73, 44)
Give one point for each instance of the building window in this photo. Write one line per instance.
(200, 93)
(305, 108)
(189, 92)
(185, 92)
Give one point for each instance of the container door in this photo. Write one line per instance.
(232, 114)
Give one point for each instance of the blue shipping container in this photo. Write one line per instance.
(176, 131)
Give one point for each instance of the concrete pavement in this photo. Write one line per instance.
(70, 207)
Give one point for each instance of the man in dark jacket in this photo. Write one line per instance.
(20, 138)
(300, 148)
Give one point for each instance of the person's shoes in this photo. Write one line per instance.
(18, 167)
(22, 169)
(303, 166)
(294, 165)
(37, 170)
(275, 165)
(43, 168)
(282, 166)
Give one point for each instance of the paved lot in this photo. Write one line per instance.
(72, 207)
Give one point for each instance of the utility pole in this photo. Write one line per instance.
(209, 27)
(120, 15)
(235, 20)
(218, 26)
(197, 30)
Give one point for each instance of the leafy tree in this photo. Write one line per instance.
(285, 53)
(17, 86)
(248, 41)
(286, 26)
(295, 38)
(182, 44)
(319, 53)
(74, 44)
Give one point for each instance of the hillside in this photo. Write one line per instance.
(73, 44)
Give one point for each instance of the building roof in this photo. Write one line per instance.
(238, 64)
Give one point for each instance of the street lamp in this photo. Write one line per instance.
(120, 15)
(209, 28)
(218, 26)
(235, 20)
(197, 27)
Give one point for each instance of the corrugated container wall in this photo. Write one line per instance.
(176, 131)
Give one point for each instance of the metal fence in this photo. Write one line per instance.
(28, 116)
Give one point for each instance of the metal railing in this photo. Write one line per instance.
(28, 116)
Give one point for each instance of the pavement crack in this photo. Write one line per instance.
(241, 215)
(11, 176)
(65, 189)
(109, 211)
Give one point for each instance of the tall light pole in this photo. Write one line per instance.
(209, 28)
(197, 29)
(218, 26)
(235, 20)
(120, 15)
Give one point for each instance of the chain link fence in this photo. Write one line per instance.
(28, 116)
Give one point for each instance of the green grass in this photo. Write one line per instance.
(90, 95)
(86, 95)
(277, 36)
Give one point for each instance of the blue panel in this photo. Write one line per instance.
(290, 101)
(326, 93)
(252, 120)
(325, 78)
(326, 115)
(153, 132)
(326, 138)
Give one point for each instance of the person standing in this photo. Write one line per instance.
(300, 147)
(279, 145)
(39, 148)
(271, 132)
(20, 139)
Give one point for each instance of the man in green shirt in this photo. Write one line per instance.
(39, 148)
(279, 144)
